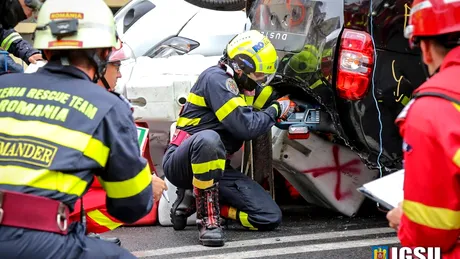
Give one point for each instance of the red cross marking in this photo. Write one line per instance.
(337, 168)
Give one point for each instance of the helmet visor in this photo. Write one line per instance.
(121, 54)
(261, 78)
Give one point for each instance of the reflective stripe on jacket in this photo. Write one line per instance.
(11, 41)
(59, 130)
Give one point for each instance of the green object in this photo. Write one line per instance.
(142, 134)
(306, 61)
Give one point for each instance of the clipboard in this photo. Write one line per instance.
(369, 195)
(387, 191)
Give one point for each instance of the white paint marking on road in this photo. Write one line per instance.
(264, 241)
(302, 249)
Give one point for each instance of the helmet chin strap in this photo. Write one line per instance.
(245, 82)
(242, 81)
(101, 66)
(105, 83)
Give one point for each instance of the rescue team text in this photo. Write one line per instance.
(26, 151)
(49, 111)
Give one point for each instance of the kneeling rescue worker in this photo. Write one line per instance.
(214, 123)
(58, 130)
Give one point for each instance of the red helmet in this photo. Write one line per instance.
(432, 18)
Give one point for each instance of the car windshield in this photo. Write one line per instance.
(291, 24)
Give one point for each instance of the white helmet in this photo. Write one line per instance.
(75, 24)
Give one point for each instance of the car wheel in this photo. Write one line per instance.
(220, 5)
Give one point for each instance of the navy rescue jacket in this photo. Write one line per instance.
(215, 103)
(11, 41)
(58, 130)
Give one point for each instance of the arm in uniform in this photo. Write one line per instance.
(12, 42)
(264, 96)
(127, 179)
(232, 110)
(431, 206)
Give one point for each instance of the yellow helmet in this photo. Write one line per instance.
(75, 24)
(255, 55)
(306, 61)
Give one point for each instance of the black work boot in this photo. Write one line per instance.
(182, 208)
(114, 240)
(208, 216)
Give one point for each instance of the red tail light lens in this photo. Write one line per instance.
(356, 61)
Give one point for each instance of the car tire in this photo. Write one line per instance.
(220, 5)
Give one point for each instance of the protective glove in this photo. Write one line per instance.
(286, 107)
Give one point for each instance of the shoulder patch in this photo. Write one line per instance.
(232, 86)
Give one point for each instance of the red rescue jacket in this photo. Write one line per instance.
(98, 220)
(430, 127)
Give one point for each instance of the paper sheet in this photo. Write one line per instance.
(32, 68)
(389, 188)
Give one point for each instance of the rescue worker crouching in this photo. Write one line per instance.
(429, 215)
(59, 129)
(11, 13)
(214, 123)
(12, 41)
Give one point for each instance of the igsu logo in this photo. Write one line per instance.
(416, 253)
(382, 252)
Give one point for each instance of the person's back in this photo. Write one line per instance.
(57, 121)
(432, 161)
(98, 220)
(58, 130)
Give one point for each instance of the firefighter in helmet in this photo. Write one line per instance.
(213, 124)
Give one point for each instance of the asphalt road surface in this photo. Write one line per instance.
(306, 232)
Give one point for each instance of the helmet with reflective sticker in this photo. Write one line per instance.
(254, 54)
(75, 24)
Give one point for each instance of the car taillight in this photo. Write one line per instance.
(356, 61)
